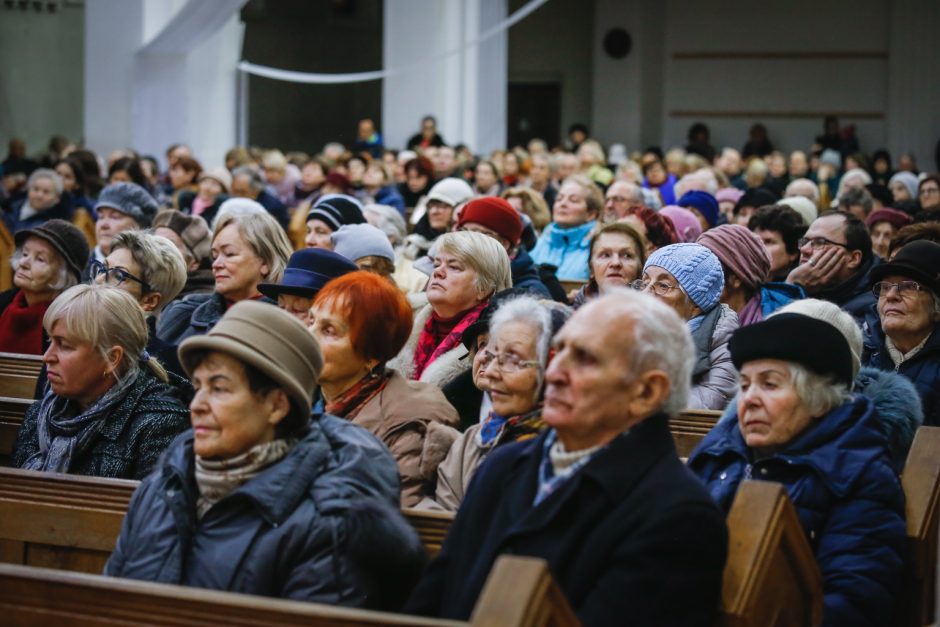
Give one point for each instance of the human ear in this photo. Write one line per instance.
(149, 302)
(651, 389)
(278, 406)
(114, 357)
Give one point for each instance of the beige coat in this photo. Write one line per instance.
(415, 422)
(439, 372)
(454, 473)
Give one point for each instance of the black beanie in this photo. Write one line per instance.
(336, 210)
(66, 238)
(812, 343)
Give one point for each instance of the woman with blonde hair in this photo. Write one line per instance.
(108, 411)
(566, 242)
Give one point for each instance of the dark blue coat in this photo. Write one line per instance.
(848, 498)
(631, 536)
(390, 196)
(923, 369)
(275, 207)
(525, 275)
(195, 314)
(321, 525)
(61, 210)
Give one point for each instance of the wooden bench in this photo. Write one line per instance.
(71, 522)
(12, 411)
(18, 374)
(519, 592)
(690, 427)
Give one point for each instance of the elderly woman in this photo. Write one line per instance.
(247, 249)
(689, 278)
(905, 335)
(656, 230)
(108, 411)
(746, 263)
(361, 321)
(617, 258)
(367, 247)
(307, 272)
(387, 219)
(903, 186)
(512, 370)
(192, 237)
(884, 224)
(212, 190)
(565, 243)
(44, 201)
(468, 269)
(439, 214)
(120, 207)
(259, 499)
(48, 260)
(330, 213)
(796, 423)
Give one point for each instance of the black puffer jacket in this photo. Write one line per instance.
(320, 525)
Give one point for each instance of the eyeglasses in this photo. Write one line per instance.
(906, 289)
(505, 362)
(818, 242)
(929, 191)
(116, 275)
(660, 288)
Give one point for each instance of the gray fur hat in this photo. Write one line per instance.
(130, 199)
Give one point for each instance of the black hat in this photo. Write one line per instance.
(66, 238)
(919, 260)
(812, 343)
(336, 210)
(307, 271)
(756, 197)
(482, 324)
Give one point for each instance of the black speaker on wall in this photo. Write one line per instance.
(617, 43)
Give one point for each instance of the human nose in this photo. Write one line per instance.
(198, 404)
(439, 272)
(50, 355)
(217, 262)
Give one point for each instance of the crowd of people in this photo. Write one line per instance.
(288, 349)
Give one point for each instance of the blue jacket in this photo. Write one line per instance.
(923, 369)
(775, 295)
(321, 525)
(848, 498)
(525, 275)
(61, 210)
(275, 207)
(389, 195)
(568, 249)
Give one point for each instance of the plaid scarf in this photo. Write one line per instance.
(498, 430)
(358, 395)
(429, 346)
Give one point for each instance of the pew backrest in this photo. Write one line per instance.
(12, 411)
(18, 374)
(690, 427)
(921, 483)
(771, 578)
(7, 248)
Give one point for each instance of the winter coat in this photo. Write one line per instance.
(439, 372)
(714, 377)
(412, 420)
(898, 405)
(6, 298)
(466, 398)
(775, 295)
(621, 539)
(568, 249)
(186, 199)
(389, 195)
(275, 207)
(133, 436)
(61, 210)
(320, 525)
(194, 315)
(923, 369)
(525, 275)
(847, 496)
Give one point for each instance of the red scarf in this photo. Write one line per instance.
(21, 326)
(358, 395)
(436, 338)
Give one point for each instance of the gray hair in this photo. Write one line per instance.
(103, 316)
(802, 187)
(855, 196)
(64, 279)
(483, 254)
(661, 341)
(46, 173)
(265, 236)
(389, 221)
(818, 393)
(161, 264)
(528, 310)
(255, 178)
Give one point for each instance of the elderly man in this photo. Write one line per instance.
(836, 260)
(248, 182)
(627, 532)
(622, 196)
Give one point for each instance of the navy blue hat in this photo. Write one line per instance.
(335, 210)
(307, 271)
(703, 202)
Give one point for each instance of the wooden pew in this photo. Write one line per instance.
(689, 427)
(71, 522)
(18, 374)
(519, 593)
(921, 483)
(12, 411)
(771, 578)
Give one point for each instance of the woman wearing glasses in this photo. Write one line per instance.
(689, 278)
(904, 336)
(108, 411)
(48, 260)
(513, 369)
(362, 320)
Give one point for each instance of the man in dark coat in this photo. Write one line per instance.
(627, 531)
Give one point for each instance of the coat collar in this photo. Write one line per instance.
(114, 425)
(574, 236)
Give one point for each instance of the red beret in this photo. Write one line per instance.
(495, 214)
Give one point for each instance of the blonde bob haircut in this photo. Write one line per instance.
(266, 238)
(483, 254)
(103, 316)
(161, 263)
(593, 197)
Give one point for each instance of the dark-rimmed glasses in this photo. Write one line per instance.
(116, 276)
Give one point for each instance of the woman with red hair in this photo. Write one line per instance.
(657, 229)
(361, 320)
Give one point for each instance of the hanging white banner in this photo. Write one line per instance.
(376, 75)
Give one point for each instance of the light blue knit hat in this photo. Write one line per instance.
(355, 241)
(697, 270)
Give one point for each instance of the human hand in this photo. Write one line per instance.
(818, 273)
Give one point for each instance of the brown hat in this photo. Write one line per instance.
(193, 230)
(66, 238)
(266, 338)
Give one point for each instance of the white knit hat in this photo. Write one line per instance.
(832, 314)
(803, 206)
(451, 191)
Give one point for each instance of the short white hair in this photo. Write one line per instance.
(661, 341)
(161, 263)
(803, 187)
(389, 221)
(818, 393)
(483, 254)
(530, 311)
(47, 173)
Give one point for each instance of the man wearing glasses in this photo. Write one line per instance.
(622, 196)
(836, 260)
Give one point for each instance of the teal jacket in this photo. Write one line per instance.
(568, 249)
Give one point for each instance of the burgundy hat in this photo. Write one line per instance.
(495, 214)
(897, 219)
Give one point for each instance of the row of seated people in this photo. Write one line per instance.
(257, 497)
